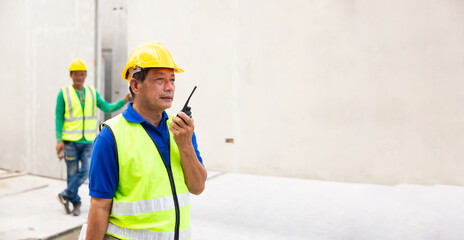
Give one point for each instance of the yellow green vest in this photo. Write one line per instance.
(79, 122)
(152, 200)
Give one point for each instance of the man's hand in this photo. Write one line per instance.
(182, 129)
(60, 150)
(127, 98)
(194, 173)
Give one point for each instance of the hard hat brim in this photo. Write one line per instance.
(126, 69)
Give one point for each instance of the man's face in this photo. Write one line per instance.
(78, 77)
(157, 91)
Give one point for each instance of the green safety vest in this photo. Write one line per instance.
(79, 122)
(152, 200)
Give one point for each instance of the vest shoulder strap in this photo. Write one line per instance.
(113, 122)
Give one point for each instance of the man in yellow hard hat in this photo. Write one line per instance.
(145, 162)
(76, 128)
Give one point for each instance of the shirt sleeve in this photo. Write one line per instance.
(103, 172)
(195, 145)
(108, 107)
(59, 117)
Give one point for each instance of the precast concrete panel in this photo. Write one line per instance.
(43, 38)
(358, 91)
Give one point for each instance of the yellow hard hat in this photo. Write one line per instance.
(77, 64)
(149, 55)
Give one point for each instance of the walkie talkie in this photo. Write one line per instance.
(186, 109)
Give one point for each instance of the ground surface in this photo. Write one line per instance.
(239, 206)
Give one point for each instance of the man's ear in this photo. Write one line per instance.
(134, 84)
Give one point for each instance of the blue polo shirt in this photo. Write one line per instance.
(104, 173)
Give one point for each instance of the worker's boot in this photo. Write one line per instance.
(65, 201)
(77, 209)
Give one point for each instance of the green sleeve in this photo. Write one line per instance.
(59, 116)
(109, 107)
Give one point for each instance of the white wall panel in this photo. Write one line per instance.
(360, 91)
(39, 40)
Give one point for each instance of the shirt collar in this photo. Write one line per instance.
(133, 116)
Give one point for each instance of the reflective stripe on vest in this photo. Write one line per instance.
(88, 131)
(150, 205)
(79, 119)
(146, 234)
(79, 122)
(144, 204)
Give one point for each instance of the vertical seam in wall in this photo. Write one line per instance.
(33, 102)
(97, 49)
(28, 90)
(235, 86)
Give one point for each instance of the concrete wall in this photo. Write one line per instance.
(39, 40)
(358, 91)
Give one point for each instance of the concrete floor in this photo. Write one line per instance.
(238, 206)
(30, 209)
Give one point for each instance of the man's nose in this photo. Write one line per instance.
(169, 86)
